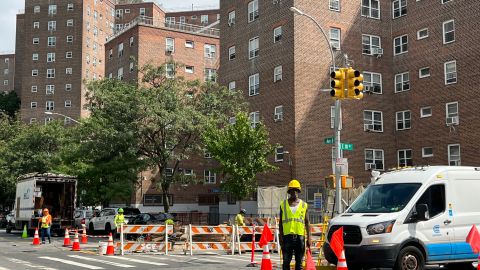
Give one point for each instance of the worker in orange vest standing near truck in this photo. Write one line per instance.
(45, 223)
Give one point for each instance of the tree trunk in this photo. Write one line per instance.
(166, 201)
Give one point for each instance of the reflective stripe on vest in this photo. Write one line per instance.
(293, 223)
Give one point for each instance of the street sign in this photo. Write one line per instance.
(346, 146)
(317, 200)
(343, 164)
(329, 140)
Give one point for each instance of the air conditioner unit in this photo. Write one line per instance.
(231, 22)
(452, 120)
(367, 89)
(370, 166)
(378, 52)
(278, 117)
(169, 50)
(368, 127)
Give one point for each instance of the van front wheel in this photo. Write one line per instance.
(410, 258)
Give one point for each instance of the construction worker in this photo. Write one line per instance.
(239, 218)
(169, 221)
(45, 222)
(293, 227)
(119, 219)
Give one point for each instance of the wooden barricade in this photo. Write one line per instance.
(133, 246)
(226, 243)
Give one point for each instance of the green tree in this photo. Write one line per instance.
(242, 152)
(175, 112)
(9, 103)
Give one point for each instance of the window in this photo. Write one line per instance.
(374, 159)
(399, 8)
(278, 113)
(70, 7)
(204, 19)
(48, 119)
(34, 72)
(454, 155)
(209, 177)
(371, 9)
(232, 85)
(132, 67)
(450, 69)
(404, 120)
(35, 40)
(5, 82)
(51, 41)
(448, 32)
(34, 88)
(110, 54)
(254, 119)
(188, 172)
(427, 151)
(279, 153)
(254, 84)
(35, 56)
(69, 39)
(68, 87)
(50, 90)
(169, 45)
(277, 34)
(49, 106)
(434, 198)
(142, 11)
(189, 69)
(253, 45)
(424, 72)
(170, 20)
(335, 35)
(170, 70)
(400, 44)
(36, 25)
(68, 71)
(372, 82)
(52, 9)
(50, 57)
(131, 41)
(33, 105)
(36, 9)
(33, 120)
(451, 111)
(189, 44)
(68, 103)
(334, 5)
(231, 53)
(426, 112)
(422, 33)
(277, 74)
(373, 121)
(232, 120)
(252, 10)
(51, 73)
(210, 50)
(405, 158)
(370, 44)
(445, 1)
(207, 154)
(120, 74)
(69, 22)
(156, 200)
(231, 18)
(119, 13)
(182, 20)
(210, 75)
(52, 25)
(5, 71)
(120, 50)
(402, 82)
(68, 54)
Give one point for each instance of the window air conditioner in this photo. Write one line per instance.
(231, 22)
(378, 52)
(452, 120)
(370, 166)
(278, 117)
(368, 127)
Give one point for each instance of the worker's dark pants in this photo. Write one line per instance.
(45, 232)
(293, 245)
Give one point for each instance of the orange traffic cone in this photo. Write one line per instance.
(84, 236)
(36, 238)
(76, 244)
(66, 239)
(110, 247)
(342, 262)
(266, 262)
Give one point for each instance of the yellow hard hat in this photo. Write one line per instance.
(294, 184)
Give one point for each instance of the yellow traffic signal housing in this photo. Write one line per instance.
(347, 181)
(354, 84)
(338, 84)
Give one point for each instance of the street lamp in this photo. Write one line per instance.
(54, 113)
(338, 121)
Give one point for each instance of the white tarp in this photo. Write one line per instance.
(269, 199)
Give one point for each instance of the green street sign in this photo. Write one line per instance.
(329, 140)
(346, 146)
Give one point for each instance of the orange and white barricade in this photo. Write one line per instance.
(133, 246)
(249, 230)
(317, 230)
(227, 246)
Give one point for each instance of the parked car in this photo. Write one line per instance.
(81, 217)
(152, 218)
(104, 221)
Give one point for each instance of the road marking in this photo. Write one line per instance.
(101, 261)
(193, 258)
(88, 266)
(229, 257)
(28, 264)
(3, 268)
(139, 261)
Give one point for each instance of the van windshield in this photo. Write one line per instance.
(384, 198)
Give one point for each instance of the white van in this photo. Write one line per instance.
(412, 217)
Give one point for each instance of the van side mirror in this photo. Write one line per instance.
(422, 212)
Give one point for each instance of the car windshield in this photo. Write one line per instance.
(384, 198)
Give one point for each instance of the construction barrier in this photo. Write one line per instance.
(254, 230)
(133, 246)
(223, 232)
(318, 232)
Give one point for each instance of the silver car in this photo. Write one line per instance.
(81, 217)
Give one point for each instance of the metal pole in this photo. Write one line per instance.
(338, 121)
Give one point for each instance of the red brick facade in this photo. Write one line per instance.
(7, 72)
(196, 17)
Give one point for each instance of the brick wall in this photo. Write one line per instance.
(7, 72)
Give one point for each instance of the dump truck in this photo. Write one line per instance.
(37, 191)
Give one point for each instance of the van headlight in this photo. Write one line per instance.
(382, 227)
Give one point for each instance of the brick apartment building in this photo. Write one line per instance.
(7, 72)
(419, 64)
(60, 46)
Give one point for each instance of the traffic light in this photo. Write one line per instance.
(338, 84)
(347, 181)
(354, 84)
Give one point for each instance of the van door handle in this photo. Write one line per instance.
(446, 222)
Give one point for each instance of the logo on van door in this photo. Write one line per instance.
(436, 230)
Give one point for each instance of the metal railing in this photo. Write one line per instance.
(182, 27)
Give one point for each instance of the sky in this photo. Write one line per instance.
(9, 9)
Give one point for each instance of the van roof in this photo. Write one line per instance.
(419, 174)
